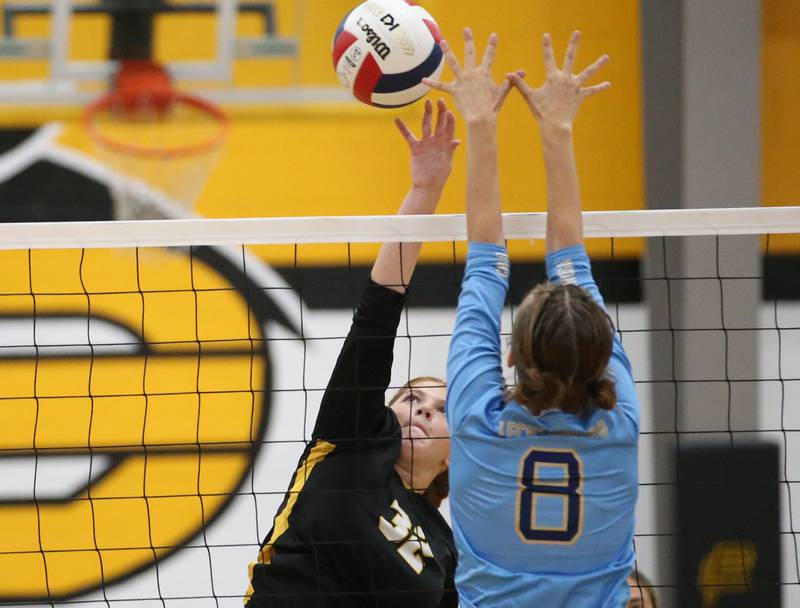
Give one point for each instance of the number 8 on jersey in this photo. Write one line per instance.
(550, 498)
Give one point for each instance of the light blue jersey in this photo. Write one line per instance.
(542, 506)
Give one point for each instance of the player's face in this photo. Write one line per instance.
(640, 596)
(420, 412)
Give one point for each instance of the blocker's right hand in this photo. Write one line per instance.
(475, 93)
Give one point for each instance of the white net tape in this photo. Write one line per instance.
(390, 228)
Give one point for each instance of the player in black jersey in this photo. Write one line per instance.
(360, 524)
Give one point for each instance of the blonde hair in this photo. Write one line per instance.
(561, 342)
(440, 486)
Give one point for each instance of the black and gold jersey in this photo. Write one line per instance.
(349, 533)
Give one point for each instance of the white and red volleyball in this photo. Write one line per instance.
(384, 48)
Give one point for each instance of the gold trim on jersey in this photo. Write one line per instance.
(318, 453)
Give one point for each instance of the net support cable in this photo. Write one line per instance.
(387, 228)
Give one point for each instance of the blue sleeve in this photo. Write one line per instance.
(474, 371)
(572, 265)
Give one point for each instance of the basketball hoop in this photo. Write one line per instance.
(148, 131)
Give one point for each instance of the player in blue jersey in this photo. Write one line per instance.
(543, 476)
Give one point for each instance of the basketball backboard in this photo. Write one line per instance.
(66, 51)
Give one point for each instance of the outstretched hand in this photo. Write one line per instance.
(557, 101)
(432, 155)
(431, 162)
(474, 91)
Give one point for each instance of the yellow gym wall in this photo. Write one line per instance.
(780, 121)
(349, 159)
(781, 98)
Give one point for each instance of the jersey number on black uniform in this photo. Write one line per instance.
(411, 542)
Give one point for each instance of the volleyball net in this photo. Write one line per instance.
(159, 380)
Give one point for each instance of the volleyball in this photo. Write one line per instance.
(384, 48)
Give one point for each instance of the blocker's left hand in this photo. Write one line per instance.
(476, 95)
(432, 155)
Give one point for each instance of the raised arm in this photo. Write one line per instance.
(431, 162)
(479, 100)
(473, 364)
(555, 105)
(353, 404)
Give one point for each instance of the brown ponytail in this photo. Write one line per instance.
(604, 394)
(546, 389)
(560, 344)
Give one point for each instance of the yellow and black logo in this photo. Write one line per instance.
(726, 570)
(134, 397)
